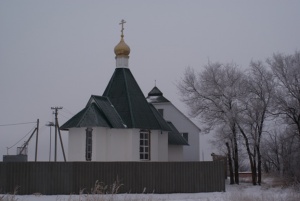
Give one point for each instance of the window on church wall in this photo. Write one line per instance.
(88, 144)
(144, 145)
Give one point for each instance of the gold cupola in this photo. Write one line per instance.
(122, 50)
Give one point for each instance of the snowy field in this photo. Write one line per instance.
(242, 192)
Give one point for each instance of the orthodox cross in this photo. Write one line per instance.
(122, 24)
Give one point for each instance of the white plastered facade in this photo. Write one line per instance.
(116, 144)
(183, 125)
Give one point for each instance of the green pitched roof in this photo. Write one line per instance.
(87, 117)
(109, 111)
(156, 96)
(123, 105)
(174, 137)
(129, 101)
(162, 122)
(155, 92)
(99, 112)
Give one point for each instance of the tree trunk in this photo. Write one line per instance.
(236, 167)
(254, 172)
(236, 156)
(250, 155)
(259, 165)
(230, 163)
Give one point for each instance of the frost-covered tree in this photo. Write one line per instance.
(239, 104)
(286, 69)
(223, 134)
(281, 152)
(254, 109)
(212, 96)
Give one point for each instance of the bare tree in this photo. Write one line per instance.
(223, 97)
(286, 69)
(212, 96)
(281, 153)
(254, 111)
(271, 151)
(223, 134)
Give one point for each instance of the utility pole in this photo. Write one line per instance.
(26, 143)
(61, 142)
(36, 139)
(57, 129)
(50, 124)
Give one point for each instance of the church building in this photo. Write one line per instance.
(188, 130)
(122, 125)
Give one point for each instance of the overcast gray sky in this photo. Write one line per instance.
(59, 53)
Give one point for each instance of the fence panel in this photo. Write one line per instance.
(52, 178)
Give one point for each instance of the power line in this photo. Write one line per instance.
(68, 111)
(15, 124)
(21, 138)
(64, 116)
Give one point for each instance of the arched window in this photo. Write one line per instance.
(88, 144)
(144, 145)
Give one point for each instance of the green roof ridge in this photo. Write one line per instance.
(129, 100)
(101, 111)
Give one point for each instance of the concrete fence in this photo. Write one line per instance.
(51, 178)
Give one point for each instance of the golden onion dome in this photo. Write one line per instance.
(122, 49)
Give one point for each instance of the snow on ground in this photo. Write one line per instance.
(242, 192)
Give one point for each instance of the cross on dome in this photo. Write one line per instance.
(122, 50)
(122, 29)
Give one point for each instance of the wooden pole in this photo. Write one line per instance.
(36, 139)
(56, 128)
(26, 143)
(55, 137)
(61, 143)
(50, 124)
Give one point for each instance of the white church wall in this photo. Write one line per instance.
(154, 145)
(135, 149)
(99, 144)
(175, 153)
(76, 144)
(163, 146)
(183, 125)
(119, 145)
(159, 145)
(115, 144)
